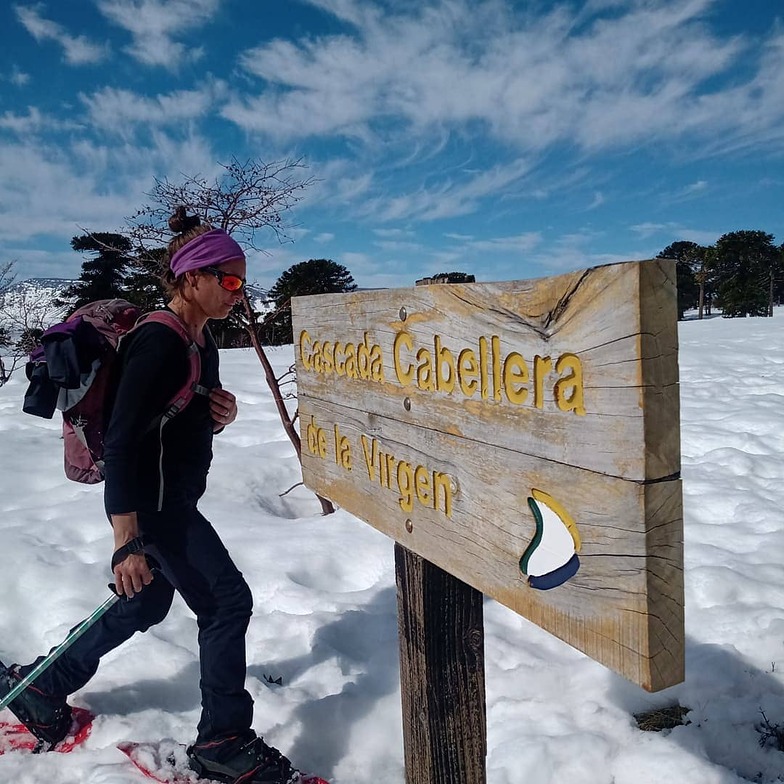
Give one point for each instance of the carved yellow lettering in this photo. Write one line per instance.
(424, 489)
(376, 364)
(351, 360)
(515, 378)
(404, 377)
(496, 344)
(370, 450)
(328, 356)
(444, 357)
(574, 400)
(405, 483)
(390, 461)
(340, 362)
(383, 469)
(425, 380)
(468, 370)
(342, 450)
(442, 486)
(304, 340)
(363, 358)
(542, 366)
(316, 439)
(316, 357)
(483, 368)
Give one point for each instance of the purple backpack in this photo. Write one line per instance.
(73, 370)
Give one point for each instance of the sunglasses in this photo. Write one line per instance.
(225, 279)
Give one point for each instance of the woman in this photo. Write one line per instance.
(154, 479)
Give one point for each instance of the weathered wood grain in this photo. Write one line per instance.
(615, 469)
(442, 676)
(617, 319)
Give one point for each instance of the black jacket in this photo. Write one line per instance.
(143, 463)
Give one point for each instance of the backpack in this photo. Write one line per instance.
(74, 370)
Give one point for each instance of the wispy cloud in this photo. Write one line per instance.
(597, 201)
(393, 234)
(77, 49)
(649, 229)
(449, 198)
(696, 187)
(521, 242)
(672, 232)
(157, 25)
(530, 86)
(573, 251)
(57, 188)
(18, 77)
(120, 110)
(532, 82)
(34, 121)
(22, 124)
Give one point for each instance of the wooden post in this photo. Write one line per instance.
(442, 676)
(442, 671)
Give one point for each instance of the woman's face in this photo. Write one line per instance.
(214, 300)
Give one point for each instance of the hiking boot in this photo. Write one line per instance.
(241, 759)
(48, 718)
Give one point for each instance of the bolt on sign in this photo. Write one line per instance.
(522, 436)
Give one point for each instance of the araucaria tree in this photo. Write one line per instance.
(103, 272)
(746, 265)
(315, 276)
(690, 274)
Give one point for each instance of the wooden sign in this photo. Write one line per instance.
(522, 436)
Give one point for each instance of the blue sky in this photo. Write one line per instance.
(507, 139)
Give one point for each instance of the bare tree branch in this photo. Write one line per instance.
(247, 197)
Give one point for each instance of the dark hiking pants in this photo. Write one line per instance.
(193, 561)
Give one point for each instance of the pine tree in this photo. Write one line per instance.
(103, 273)
(690, 279)
(746, 264)
(315, 276)
(142, 283)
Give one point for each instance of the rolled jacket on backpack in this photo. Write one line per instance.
(41, 396)
(62, 368)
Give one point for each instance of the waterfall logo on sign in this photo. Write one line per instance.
(551, 558)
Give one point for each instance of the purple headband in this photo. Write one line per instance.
(209, 249)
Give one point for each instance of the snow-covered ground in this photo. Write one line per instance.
(325, 612)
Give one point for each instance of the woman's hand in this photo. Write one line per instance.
(133, 572)
(131, 575)
(223, 408)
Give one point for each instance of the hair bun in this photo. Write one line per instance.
(181, 222)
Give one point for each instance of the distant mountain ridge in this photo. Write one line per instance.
(30, 303)
(44, 283)
(60, 284)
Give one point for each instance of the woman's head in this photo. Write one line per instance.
(205, 264)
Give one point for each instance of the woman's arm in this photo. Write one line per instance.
(153, 364)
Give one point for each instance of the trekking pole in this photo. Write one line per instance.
(72, 637)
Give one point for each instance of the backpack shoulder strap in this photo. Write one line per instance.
(191, 386)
